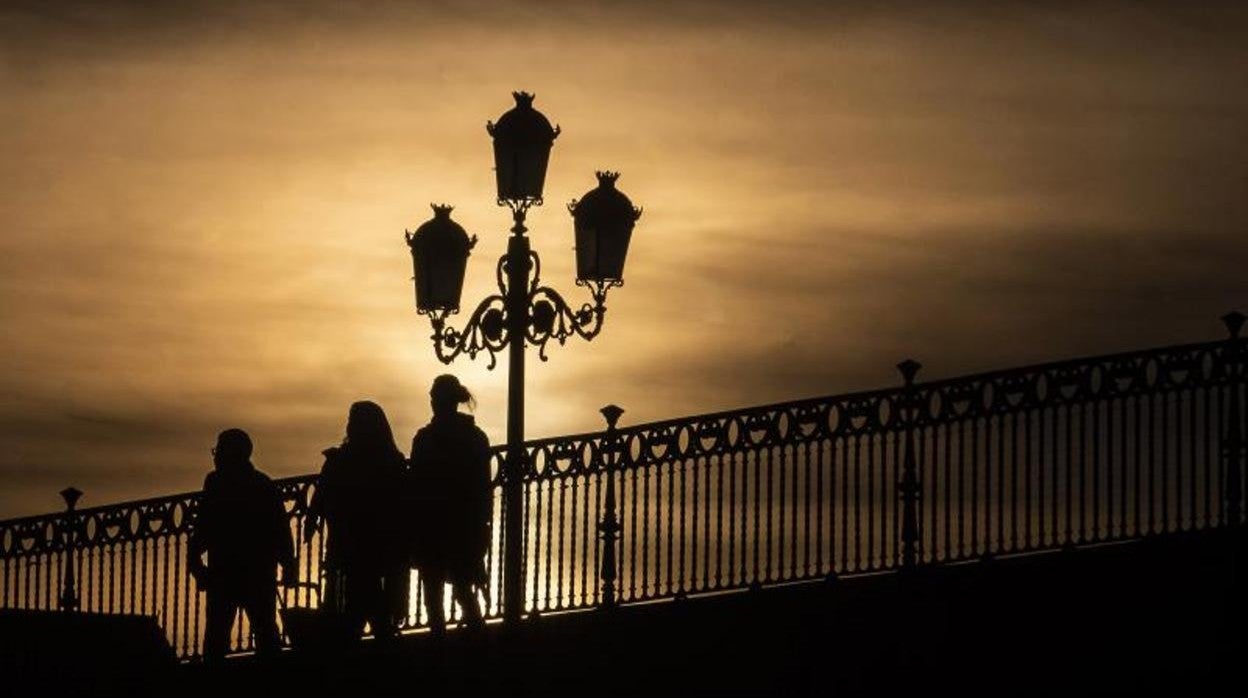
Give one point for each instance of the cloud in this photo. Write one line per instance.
(204, 206)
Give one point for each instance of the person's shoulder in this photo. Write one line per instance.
(477, 432)
(262, 478)
(211, 480)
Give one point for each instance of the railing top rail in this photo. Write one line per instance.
(875, 393)
(625, 431)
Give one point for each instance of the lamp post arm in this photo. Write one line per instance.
(485, 331)
(552, 317)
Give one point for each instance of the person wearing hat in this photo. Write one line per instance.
(244, 530)
(450, 476)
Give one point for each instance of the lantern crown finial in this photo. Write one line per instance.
(607, 178)
(442, 210)
(524, 100)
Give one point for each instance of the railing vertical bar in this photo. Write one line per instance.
(1149, 437)
(719, 521)
(857, 499)
(871, 471)
(942, 451)
(706, 523)
(587, 533)
(975, 512)
(645, 534)
(662, 552)
(956, 545)
(821, 457)
(845, 485)
(550, 541)
(1193, 459)
(1143, 456)
(1080, 513)
(1055, 519)
(1167, 466)
(807, 538)
(1012, 418)
(561, 600)
(756, 577)
(1208, 449)
(1097, 470)
(633, 479)
(996, 423)
(178, 620)
(781, 465)
(692, 465)
(740, 514)
(672, 530)
(733, 510)
(769, 477)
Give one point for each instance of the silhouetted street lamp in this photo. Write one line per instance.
(523, 311)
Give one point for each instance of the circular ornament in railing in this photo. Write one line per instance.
(1206, 364)
(710, 432)
(113, 526)
(155, 521)
(733, 429)
(757, 428)
(1180, 368)
(1152, 372)
(541, 463)
(832, 421)
(1125, 374)
(1096, 381)
(684, 439)
(987, 396)
(934, 405)
(884, 412)
(784, 424)
(633, 448)
(807, 420)
(658, 442)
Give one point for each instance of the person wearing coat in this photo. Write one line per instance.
(359, 496)
(244, 531)
(450, 482)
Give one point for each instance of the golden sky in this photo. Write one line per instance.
(203, 207)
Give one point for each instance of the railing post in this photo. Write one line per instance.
(1233, 442)
(908, 489)
(69, 594)
(609, 527)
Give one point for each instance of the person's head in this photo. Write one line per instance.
(368, 429)
(447, 394)
(233, 449)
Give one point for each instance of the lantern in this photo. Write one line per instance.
(439, 257)
(522, 141)
(604, 220)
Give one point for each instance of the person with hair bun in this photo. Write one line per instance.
(450, 477)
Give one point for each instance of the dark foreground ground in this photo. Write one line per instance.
(1164, 616)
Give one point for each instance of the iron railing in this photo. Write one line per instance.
(1008, 462)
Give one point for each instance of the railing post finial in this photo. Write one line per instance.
(609, 527)
(69, 594)
(908, 489)
(1233, 443)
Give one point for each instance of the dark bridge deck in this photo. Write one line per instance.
(1165, 613)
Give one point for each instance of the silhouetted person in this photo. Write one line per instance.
(451, 483)
(245, 532)
(359, 495)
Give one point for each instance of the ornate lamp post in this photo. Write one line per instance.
(523, 311)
